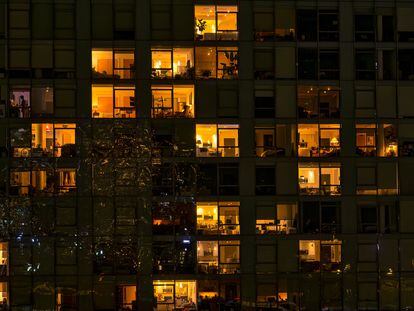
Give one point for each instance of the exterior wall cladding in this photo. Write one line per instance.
(206, 155)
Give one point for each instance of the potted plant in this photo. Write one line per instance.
(201, 25)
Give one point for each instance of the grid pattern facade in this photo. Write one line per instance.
(206, 154)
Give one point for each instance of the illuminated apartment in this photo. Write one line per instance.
(206, 155)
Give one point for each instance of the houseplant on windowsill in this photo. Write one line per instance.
(201, 25)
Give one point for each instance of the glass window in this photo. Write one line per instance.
(328, 25)
(102, 64)
(4, 260)
(4, 293)
(229, 257)
(217, 140)
(19, 103)
(221, 218)
(316, 255)
(170, 218)
(306, 25)
(265, 219)
(314, 102)
(127, 297)
(364, 27)
(307, 64)
(286, 218)
(387, 140)
(366, 139)
(177, 63)
(66, 299)
(113, 102)
(113, 64)
(53, 140)
(406, 64)
(173, 101)
(214, 62)
(265, 180)
(124, 64)
(41, 102)
(264, 102)
(216, 22)
(368, 217)
(365, 64)
(315, 179)
(318, 140)
(175, 294)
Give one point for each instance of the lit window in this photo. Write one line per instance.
(218, 257)
(4, 293)
(66, 299)
(221, 218)
(316, 179)
(366, 141)
(283, 219)
(318, 140)
(373, 139)
(113, 64)
(42, 181)
(19, 103)
(113, 102)
(221, 63)
(316, 255)
(128, 297)
(173, 295)
(102, 64)
(177, 63)
(216, 22)
(52, 140)
(217, 140)
(66, 180)
(173, 101)
(4, 259)
(28, 182)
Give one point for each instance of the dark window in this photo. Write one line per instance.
(173, 218)
(388, 28)
(264, 104)
(365, 28)
(365, 64)
(307, 25)
(265, 180)
(321, 217)
(163, 257)
(207, 179)
(406, 64)
(228, 179)
(368, 218)
(328, 26)
(330, 217)
(310, 217)
(329, 65)
(307, 64)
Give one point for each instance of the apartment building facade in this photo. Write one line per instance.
(207, 154)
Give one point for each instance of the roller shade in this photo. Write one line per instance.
(405, 101)
(265, 212)
(366, 176)
(285, 18)
(406, 216)
(405, 20)
(387, 175)
(263, 21)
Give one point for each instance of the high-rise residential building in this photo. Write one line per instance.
(206, 155)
